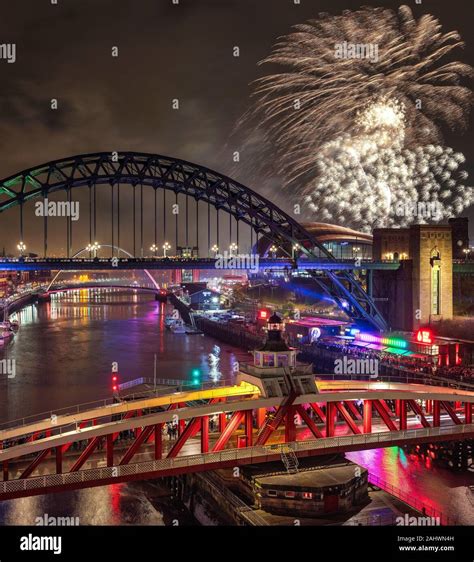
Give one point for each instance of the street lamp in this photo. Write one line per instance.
(166, 247)
(466, 252)
(21, 247)
(154, 249)
(295, 248)
(233, 248)
(93, 248)
(215, 249)
(273, 250)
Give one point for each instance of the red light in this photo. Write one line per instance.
(263, 314)
(114, 378)
(424, 336)
(114, 387)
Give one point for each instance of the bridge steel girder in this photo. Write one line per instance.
(226, 434)
(86, 453)
(352, 409)
(309, 422)
(451, 412)
(201, 184)
(286, 411)
(382, 411)
(367, 417)
(418, 412)
(272, 424)
(34, 464)
(347, 418)
(318, 411)
(141, 438)
(189, 430)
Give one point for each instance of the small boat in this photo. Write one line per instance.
(178, 327)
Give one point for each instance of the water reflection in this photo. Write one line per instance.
(64, 350)
(443, 489)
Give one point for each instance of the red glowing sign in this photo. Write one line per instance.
(424, 336)
(263, 314)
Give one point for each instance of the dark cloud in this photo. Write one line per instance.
(165, 52)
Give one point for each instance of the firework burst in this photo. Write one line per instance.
(357, 132)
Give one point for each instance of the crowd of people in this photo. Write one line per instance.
(458, 372)
(391, 363)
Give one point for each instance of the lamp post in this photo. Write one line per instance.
(93, 249)
(21, 247)
(233, 248)
(215, 249)
(294, 249)
(166, 247)
(273, 250)
(154, 249)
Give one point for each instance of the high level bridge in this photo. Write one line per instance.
(176, 204)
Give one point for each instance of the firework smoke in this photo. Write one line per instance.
(356, 135)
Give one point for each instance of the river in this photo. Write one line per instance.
(63, 354)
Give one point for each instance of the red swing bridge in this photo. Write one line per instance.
(225, 425)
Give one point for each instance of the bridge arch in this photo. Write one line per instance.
(201, 184)
(86, 250)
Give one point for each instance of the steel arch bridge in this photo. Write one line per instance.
(195, 182)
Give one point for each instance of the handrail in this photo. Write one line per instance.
(78, 408)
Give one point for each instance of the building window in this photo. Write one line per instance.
(435, 288)
(268, 360)
(307, 495)
(272, 493)
(290, 494)
(282, 360)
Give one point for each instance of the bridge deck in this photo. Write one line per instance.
(32, 441)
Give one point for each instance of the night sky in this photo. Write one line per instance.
(166, 51)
